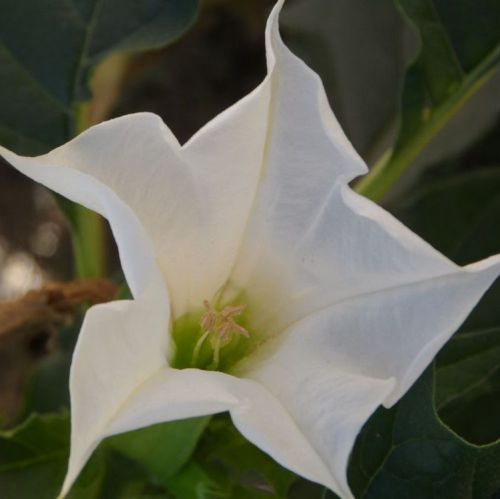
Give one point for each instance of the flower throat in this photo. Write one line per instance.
(213, 338)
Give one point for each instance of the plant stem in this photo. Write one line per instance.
(88, 229)
(394, 163)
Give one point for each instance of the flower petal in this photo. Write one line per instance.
(301, 149)
(195, 201)
(115, 354)
(121, 344)
(332, 369)
(306, 156)
(181, 199)
(329, 406)
(136, 252)
(301, 122)
(391, 333)
(257, 413)
(351, 247)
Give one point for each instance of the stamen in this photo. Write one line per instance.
(221, 326)
(197, 348)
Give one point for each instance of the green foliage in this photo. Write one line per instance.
(38, 107)
(407, 452)
(109, 475)
(450, 67)
(227, 465)
(468, 385)
(48, 50)
(455, 214)
(161, 449)
(33, 458)
(360, 50)
(410, 450)
(459, 216)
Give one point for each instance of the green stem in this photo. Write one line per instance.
(89, 243)
(394, 163)
(88, 229)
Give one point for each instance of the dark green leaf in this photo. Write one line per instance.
(126, 480)
(194, 482)
(226, 465)
(108, 475)
(468, 385)
(360, 50)
(303, 488)
(449, 69)
(33, 458)
(454, 214)
(409, 451)
(473, 27)
(49, 47)
(161, 449)
(459, 216)
(406, 452)
(440, 78)
(239, 467)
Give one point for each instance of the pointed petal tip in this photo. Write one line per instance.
(273, 34)
(490, 264)
(484, 274)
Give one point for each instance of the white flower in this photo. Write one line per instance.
(315, 304)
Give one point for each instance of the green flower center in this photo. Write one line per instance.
(212, 338)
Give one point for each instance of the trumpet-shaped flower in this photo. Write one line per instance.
(262, 284)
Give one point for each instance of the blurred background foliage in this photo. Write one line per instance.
(414, 85)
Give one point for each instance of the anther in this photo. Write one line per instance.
(221, 326)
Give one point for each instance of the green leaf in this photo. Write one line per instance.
(468, 385)
(225, 464)
(124, 479)
(109, 475)
(49, 48)
(45, 84)
(408, 452)
(459, 216)
(237, 467)
(453, 214)
(33, 458)
(162, 449)
(360, 50)
(194, 482)
(450, 68)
